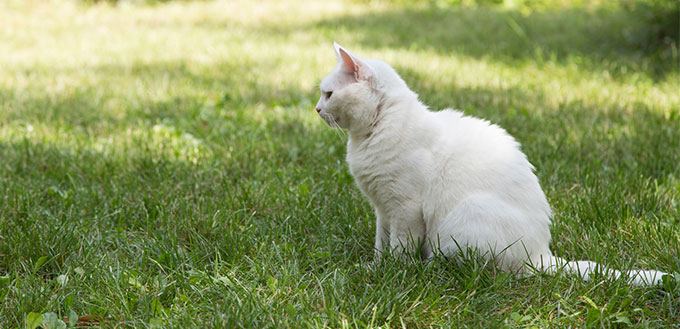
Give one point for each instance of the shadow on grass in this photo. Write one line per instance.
(591, 39)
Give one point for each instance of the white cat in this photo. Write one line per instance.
(441, 181)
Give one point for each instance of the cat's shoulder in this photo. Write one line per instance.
(447, 114)
(457, 121)
(451, 116)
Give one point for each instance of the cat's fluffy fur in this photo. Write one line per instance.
(441, 181)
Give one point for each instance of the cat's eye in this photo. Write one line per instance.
(328, 94)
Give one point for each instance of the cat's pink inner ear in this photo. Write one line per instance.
(349, 64)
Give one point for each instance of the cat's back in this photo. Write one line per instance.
(476, 153)
(457, 132)
(476, 156)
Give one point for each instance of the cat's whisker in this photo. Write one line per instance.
(341, 133)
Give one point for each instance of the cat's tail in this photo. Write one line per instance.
(585, 269)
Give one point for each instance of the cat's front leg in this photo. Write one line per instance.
(406, 230)
(382, 234)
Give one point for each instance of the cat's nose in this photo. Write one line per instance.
(318, 110)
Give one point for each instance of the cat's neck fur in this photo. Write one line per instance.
(394, 107)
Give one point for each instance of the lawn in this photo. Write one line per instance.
(162, 165)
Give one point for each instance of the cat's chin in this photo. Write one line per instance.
(330, 121)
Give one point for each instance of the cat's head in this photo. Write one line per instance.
(354, 92)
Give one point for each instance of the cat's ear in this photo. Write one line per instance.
(353, 65)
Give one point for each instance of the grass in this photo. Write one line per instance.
(163, 165)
